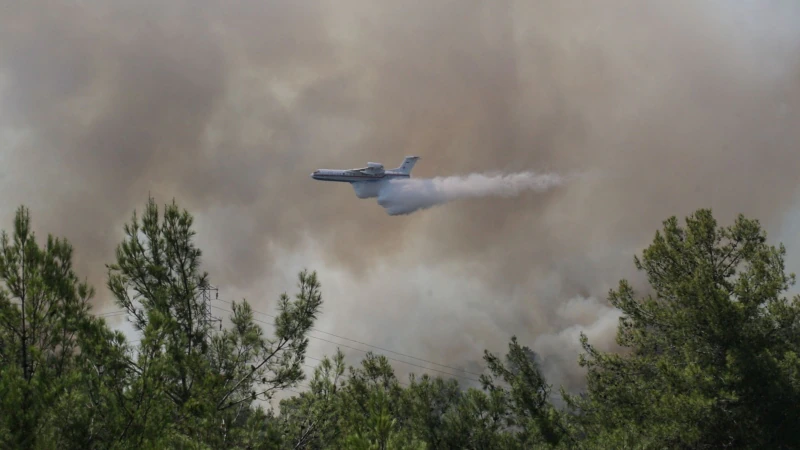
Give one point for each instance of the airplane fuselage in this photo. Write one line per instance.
(368, 181)
(354, 176)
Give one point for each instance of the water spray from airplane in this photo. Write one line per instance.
(410, 195)
(399, 194)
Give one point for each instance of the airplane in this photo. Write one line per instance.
(365, 179)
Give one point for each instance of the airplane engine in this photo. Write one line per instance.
(367, 189)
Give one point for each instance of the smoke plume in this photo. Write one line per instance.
(228, 105)
(404, 196)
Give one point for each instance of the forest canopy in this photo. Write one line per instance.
(709, 358)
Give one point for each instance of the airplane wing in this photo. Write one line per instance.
(374, 168)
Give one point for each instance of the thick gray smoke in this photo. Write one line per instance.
(404, 196)
(228, 105)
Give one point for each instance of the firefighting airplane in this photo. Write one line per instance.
(366, 180)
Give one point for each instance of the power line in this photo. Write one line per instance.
(366, 351)
(113, 313)
(373, 346)
(404, 383)
(358, 349)
(206, 305)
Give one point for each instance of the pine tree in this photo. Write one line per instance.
(43, 315)
(195, 384)
(711, 356)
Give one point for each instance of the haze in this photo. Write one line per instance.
(228, 106)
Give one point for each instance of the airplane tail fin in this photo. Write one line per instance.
(408, 164)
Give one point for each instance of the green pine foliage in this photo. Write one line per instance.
(709, 359)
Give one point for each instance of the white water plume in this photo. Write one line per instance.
(409, 195)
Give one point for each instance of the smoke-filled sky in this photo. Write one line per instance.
(665, 107)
